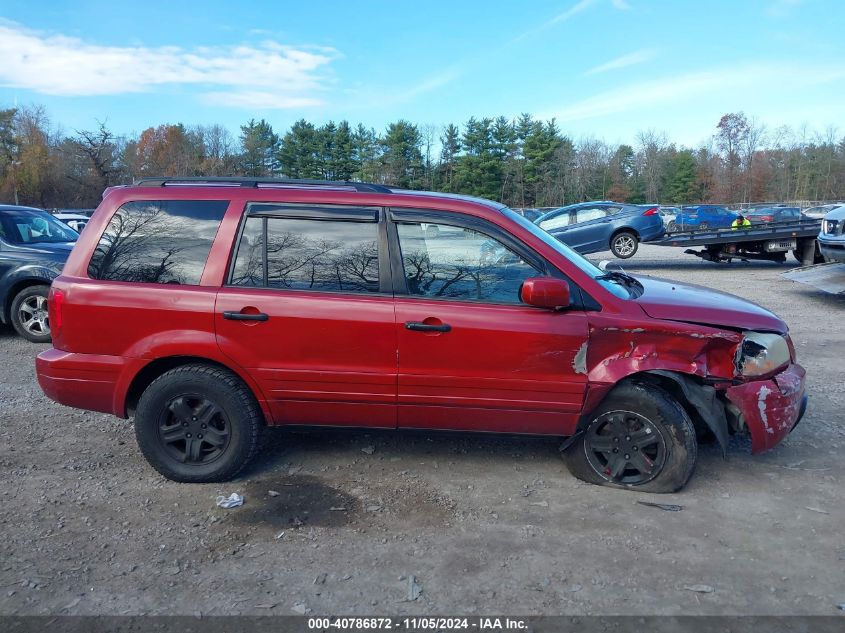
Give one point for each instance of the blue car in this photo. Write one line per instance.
(592, 227)
(702, 216)
(33, 249)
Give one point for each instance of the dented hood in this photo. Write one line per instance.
(665, 299)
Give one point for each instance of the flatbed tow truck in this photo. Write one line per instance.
(770, 241)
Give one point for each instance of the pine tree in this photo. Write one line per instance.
(401, 155)
(260, 145)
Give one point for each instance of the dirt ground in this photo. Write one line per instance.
(387, 523)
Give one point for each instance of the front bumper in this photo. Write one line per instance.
(833, 249)
(771, 408)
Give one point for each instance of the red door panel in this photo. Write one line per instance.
(320, 358)
(499, 368)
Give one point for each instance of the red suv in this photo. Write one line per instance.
(212, 308)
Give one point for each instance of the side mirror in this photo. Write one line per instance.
(545, 292)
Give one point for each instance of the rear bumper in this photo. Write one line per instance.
(655, 232)
(771, 408)
(84, 381)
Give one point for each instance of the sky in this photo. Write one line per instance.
(601, 68)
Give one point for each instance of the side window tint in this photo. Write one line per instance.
(456, 263)
(165, 242)
(555, 222)
(249, 263)
(304, 254)
(592, 213)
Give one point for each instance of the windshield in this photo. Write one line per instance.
(34, 227)
(611, 285)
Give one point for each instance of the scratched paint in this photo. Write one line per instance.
(761, 407)
(579, 363)
(770, 407)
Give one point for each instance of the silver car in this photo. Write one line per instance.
(832, 238)
(817, 213)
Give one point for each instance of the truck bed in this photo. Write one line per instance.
(758, 233)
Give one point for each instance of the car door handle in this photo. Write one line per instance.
(416, 326)
(244, 316)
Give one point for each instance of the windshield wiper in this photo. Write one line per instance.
(618, 275)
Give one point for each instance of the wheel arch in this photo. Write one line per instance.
(625, 229)
(699, 400)
(156, 367)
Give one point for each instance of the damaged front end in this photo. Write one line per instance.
(771, 400)
(733, 382)
(770, 408)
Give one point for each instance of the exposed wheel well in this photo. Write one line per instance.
(14, 289)
(674, 389)
(686, 388)
(159, 366)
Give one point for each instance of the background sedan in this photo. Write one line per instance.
(767, 215)
(591, 227)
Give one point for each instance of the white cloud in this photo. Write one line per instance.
(269, 73)
(716, 85)
(637, 57)
(781, 8)
(572, 11)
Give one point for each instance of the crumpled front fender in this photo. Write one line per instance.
(770, 407)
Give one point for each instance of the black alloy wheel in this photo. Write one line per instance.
(625, 448)
(198, 423)
(640, 437)
(194, 429)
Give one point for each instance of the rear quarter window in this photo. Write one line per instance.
(164, 241)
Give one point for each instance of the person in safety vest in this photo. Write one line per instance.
(741, 222)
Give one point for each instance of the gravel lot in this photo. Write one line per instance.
(363, 521)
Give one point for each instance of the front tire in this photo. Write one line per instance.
(624, 244)
(198, 423)
(639, 438)
(29, 314)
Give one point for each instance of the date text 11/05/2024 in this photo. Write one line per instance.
(420, 623)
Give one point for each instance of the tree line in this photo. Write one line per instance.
(522, 162)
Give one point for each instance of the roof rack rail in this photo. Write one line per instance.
(222, 181)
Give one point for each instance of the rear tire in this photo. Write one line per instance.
(29, 314)
(639, 438)
(624, 244)
(672, 226)
(198, 423)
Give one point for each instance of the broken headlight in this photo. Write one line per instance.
(761, 353)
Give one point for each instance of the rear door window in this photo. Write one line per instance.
(556, 221)
(587, 214)
(301, 253)
(165, 241)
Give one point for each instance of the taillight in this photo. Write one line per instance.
(55, 302)
(652, 211)
(767, 218)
